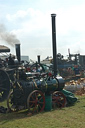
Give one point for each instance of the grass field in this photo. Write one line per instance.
(68, 117)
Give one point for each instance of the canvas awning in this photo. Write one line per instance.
(4, 48)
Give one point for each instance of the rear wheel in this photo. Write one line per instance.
(58, 99)
(10, 105)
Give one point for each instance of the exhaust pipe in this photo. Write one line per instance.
(54, 44)
(38, 57)
(18, 55)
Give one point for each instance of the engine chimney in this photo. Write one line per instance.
(18, 55)
(54, 44)
(38, 59)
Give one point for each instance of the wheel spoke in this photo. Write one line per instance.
(1, 93)
(32, 102)
(37, 109)
(59, 99)
(32, 98)
(34, 108)
(31, 105)
(39, 106)
(35, 95)
(40, 99)
(38, 103)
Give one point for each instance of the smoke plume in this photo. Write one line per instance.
(10, 38)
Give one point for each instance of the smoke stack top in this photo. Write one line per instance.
(38, 59)
(53, 15)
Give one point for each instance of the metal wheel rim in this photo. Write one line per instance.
(36, 102)
(9, 102)
(58, 99)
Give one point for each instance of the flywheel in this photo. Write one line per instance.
(4, 85)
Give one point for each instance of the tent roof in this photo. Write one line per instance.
(4, 48)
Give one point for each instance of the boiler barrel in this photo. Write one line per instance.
(56, 84)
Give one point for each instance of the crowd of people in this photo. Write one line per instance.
(74, 71)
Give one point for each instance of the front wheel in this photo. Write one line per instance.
(36, 101)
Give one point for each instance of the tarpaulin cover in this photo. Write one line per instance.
(70, 97)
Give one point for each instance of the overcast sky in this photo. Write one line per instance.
(28, 22)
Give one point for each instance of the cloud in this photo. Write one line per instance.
(66, 19)
(18, 15)
(34, 29)
(70, 19)
(31, 21)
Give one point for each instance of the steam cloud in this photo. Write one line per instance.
(10, 38)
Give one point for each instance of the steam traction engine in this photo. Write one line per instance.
(29, 91)
(24, 90)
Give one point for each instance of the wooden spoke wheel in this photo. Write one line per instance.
(10, 105)
(4, 85)
(36, 101)
(58, 99)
